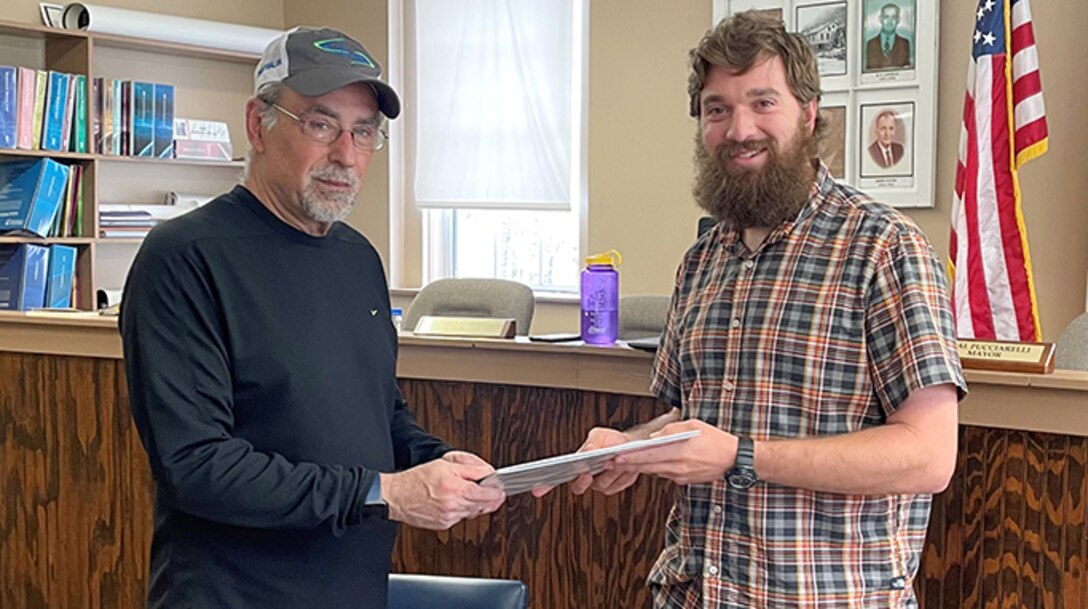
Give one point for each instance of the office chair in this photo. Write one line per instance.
(1071, 350)
(443, 592)
(642, 316)
(496, 298)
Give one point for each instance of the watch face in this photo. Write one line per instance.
(741, 479)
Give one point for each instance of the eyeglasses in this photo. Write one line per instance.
(325, 130)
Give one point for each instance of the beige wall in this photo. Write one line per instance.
(640, 138)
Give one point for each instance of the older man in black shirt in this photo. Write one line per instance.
(261, 364)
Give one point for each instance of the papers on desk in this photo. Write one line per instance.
(554, 471)
(66, 313)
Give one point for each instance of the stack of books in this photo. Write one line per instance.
(135, 220)
(43, 110)
(32, 195)
(133, 118)
(34, 276)
(47, 110)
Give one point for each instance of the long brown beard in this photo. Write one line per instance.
(762, 197)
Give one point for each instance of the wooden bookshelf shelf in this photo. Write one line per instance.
(49, 240)
(107, 158)
(52, 154)
(185, 162)
(41, 32)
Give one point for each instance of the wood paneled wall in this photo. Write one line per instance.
(588, 551)
(1009, 531)
(75, 521)
(75, 501)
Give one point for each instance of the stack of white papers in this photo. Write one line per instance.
(554, 471)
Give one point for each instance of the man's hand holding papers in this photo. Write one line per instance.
(438, 494)
(564, 468)
(703, 459)
(611, 481)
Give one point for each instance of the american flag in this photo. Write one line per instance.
(1004, 126)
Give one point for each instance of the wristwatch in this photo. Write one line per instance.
(743, 475)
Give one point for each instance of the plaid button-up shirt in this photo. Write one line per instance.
(826, 329)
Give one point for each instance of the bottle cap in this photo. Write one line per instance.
(611, 257)
(397, 311)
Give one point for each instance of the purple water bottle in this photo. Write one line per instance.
(600, 298)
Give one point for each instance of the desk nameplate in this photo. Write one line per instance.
(483, 327)
(1006, 356)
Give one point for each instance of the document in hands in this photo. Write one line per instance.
(554, 471)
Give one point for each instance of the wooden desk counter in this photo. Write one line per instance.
(1053, 403)
(75, 498)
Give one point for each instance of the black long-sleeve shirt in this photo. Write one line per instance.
(261, 371)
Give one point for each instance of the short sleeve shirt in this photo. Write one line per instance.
(825, 329)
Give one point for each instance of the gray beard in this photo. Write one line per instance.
(328, 209)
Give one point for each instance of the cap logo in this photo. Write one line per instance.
(338, 46)
(268, 65)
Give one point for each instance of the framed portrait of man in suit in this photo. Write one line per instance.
(889, 40)
(887, 146)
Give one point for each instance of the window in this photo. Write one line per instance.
(490, 172)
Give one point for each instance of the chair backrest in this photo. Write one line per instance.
(642, 316)
(444, 592)
(1071, 350)
(498, 298)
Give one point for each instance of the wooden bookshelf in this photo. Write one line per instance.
(46, 241)
(210, 84)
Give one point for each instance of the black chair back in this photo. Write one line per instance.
(444, 592)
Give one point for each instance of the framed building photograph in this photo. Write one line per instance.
(887, 146)
(824, 25)
(872, 55)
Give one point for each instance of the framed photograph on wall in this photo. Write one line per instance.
(873, 55)
(889, 41)
(834, 109)
(886, 149)
(824, 25)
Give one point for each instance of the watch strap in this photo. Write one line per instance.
(743, 475)
(746, 453)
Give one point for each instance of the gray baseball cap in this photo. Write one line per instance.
(316, 61)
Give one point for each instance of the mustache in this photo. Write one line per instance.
(733, 147)
(728, 149)
(335, 174)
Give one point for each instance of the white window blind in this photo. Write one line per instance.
(496, 121)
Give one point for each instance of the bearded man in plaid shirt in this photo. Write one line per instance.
(810, 341)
